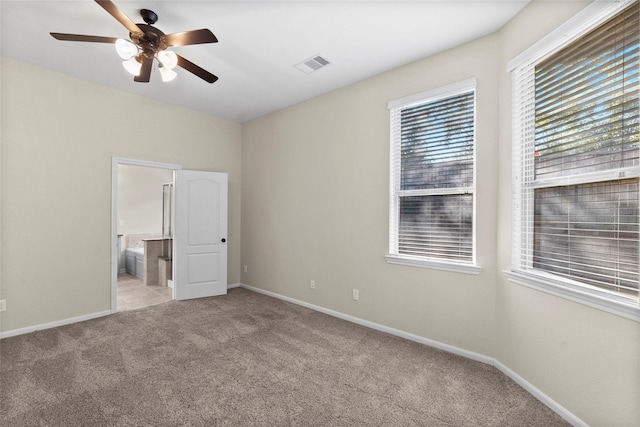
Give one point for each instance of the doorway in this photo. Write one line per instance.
(199, 224)
(137, 226)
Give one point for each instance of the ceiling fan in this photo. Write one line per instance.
(146, 43)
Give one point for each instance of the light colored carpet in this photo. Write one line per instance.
(246, 359)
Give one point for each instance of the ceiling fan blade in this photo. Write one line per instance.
(190, 37)
(198, 71)
(83, 38)
(113, 10)
(145, 70)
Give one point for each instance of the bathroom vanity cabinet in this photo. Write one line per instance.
(150, 261)
(154, 250)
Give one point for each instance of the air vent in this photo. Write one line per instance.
(312, 64)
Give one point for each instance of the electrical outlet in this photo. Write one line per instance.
(313, 284)
(3, 305)
(356, 295)
(245, 268)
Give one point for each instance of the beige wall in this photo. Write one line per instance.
(140, 199)
(587, 360)
(59, 135)
(315, 206)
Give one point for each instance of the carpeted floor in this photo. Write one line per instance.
(246, 359)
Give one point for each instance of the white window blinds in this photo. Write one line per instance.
(589, 233)
(586, 98)
(432, 200)
(577, 160)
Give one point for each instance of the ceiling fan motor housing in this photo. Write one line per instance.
(151, 41)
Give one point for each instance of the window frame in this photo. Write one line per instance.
(522, 68)
(394, 257)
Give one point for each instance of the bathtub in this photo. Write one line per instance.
(135, 261)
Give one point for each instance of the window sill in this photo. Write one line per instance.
(433, 264)
(598, 300)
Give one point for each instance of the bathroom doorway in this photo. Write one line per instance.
(140, 219)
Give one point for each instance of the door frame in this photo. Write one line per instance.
(115, 162)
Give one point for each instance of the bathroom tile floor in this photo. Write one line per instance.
(133, 293)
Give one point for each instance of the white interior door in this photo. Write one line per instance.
(200, 234)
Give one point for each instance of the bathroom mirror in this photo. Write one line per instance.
(167, 210)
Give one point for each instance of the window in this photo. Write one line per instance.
(433, 179)
(577, 161)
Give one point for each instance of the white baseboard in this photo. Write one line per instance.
(552, 404)
(411, 337)
(71, 320)
(55, 324)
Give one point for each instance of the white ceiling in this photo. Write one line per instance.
(259, 44)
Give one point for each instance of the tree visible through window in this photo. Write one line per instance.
(579, 152)
(433, 177)
(586, 121)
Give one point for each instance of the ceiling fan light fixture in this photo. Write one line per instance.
(168, 59)
(147, 43)
(126, 49)
(167, 74)
(132, 66)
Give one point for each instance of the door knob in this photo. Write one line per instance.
(224, 240)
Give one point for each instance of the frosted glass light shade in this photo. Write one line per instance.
(132, 66)
(167, 74)
(126, 49)
(168, 58)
